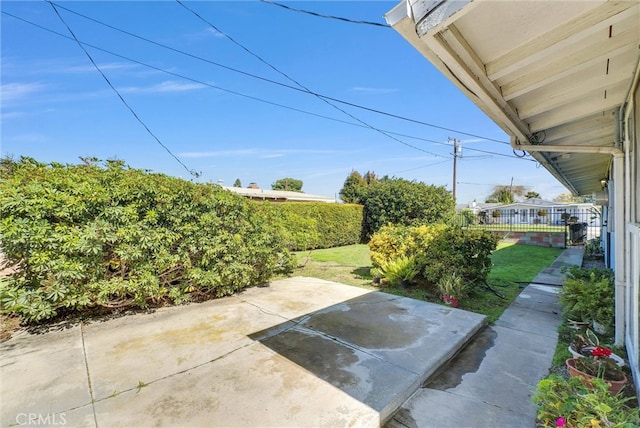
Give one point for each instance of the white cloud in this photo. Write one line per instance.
(89, 68)
(369, 90)
(262, 153)
(218, 153)
(17, 91)
(164, 87)
(12, 115)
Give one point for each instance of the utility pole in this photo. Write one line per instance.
(457, 149)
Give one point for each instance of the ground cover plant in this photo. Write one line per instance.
(103, 235)
(513, 266)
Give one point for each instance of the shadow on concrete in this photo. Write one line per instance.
(378, 348)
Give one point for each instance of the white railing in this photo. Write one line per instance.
(632, 303)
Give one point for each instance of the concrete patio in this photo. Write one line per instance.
(300, 352)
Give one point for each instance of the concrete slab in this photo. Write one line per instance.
(295, 297)
(491, 381)
(301, 352)
(251, 387)
(42, 375)
(147, 347)
(436, 411)
(377, 347)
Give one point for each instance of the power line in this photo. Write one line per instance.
(299, 89)
(192, 172)
(320, 15)
(276, 69)
(423, 166)
(241, 94)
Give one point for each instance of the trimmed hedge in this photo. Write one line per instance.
(438, 250)
(86, 236)
(310, 225)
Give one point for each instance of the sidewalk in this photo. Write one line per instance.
(491, 381)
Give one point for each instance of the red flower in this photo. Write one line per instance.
(599, 351)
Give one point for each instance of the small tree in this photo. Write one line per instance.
(288, 184)
(402, 202)
(355, 187)
(532, 195)
(237, 183)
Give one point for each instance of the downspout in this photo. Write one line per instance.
(620, 240)
(621, 282)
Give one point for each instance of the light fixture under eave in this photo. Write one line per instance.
(604, 182)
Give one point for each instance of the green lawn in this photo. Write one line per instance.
(514, 265)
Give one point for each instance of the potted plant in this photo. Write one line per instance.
(452, 287)
(598, 365)
(583, 344)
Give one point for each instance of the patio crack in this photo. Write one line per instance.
(86, 366)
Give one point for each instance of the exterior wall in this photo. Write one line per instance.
(632, 235)
(540, 239)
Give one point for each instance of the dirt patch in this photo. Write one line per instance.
(8, 326)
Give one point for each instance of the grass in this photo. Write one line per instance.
(514, 266)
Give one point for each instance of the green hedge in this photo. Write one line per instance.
(85, 236)
(310, 225)
(438, 250)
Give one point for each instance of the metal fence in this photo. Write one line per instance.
(579, 225)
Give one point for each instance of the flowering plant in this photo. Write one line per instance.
(600, 365)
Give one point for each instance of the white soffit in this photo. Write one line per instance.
(548, 73)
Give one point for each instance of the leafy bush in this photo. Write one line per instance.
(588, 295)
(572, 404)
(401, 202)
(402, 268)
(438, 249)
(310, 225)
(84, 236)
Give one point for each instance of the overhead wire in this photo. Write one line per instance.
(320, 15)
(104, 76)
(299, 89)
(282, 73)
(236, 92)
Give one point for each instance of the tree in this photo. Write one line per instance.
(288, 184)
(532, 195)
(237, 183)
(353, 189)
(568, 198)
(402, 202)
(505, 194)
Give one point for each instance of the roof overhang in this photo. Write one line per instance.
(552, 74)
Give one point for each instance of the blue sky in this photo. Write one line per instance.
(57, 107)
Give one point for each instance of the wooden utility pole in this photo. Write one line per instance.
(457, 148)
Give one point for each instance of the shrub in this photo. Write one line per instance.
(437, 249)
(402, 268)
(572, 404)
(310, 225)
(84, 236)
(401, 202)
(588, 295)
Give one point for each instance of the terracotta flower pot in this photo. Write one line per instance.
(614, 385)
(450, 300)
